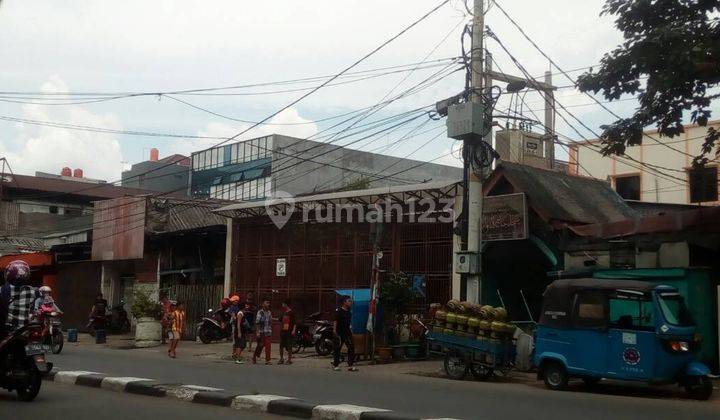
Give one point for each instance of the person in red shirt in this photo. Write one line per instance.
(287, 332)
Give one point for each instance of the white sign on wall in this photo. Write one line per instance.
(280, 267)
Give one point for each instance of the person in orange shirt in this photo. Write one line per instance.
(177, 327)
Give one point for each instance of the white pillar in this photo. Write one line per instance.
(227, 283)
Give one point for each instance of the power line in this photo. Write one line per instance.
(101, 95)
(527, 37)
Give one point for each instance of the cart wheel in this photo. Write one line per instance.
(700, 388)
(555, 376)
(481, 373)
(455, 365)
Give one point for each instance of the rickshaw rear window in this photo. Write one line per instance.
(674, 310)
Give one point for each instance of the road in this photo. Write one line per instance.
(62, 402)
(407, 394)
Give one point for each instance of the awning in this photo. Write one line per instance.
(396, 194)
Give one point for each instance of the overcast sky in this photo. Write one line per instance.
(164, 45)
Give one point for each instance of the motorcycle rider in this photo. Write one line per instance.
(17, 297)
(45, 299)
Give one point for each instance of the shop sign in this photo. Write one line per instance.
(504, 217)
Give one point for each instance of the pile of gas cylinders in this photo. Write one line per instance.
(470, 320)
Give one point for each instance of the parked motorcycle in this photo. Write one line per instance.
(304, 333)
(323, 338)
(22, 362)
(119, 321)
(214, 327)
(97, 322)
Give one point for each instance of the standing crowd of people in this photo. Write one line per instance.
(251, 325)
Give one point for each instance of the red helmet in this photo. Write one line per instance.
(17, 272)
(225, 303)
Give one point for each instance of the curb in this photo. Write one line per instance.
(260, 403)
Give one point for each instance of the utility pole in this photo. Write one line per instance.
(474, 185)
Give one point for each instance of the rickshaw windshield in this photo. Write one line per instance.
(674, 310)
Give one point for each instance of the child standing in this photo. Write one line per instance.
(177, 327)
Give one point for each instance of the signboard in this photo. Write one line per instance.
(280, 267)
(504, 217)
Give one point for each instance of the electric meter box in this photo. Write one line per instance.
(465, 120)
(466, 262)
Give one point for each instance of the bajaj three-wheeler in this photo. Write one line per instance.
(618, 329)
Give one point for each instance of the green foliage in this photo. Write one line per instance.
(361, 183)
(396, 293)
(670, 59)
(145, 307)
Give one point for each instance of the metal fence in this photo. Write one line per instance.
(197, 298)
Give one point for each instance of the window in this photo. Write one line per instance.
(674, 310)
(268, 187)
(240, 152)
(631, 313)
(628, 187)
(196, 161)
(220, 157)
(590, 310)
(703, 184)
(253, 149)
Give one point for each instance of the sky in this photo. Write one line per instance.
(86, 46)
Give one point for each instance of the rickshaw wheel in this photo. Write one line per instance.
(555, 376)
(455, 366)
(701, 389)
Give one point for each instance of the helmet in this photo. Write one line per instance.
(234, 299)
(17, 272)
(45, 290)
(225, 303)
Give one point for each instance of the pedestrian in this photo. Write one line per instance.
(249, 312)
(177, 327)
(240, 335)
(342, 329)
(232, 312)
(287, 332)
(263, 331)
(165, 302)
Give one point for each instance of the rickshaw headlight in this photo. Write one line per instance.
(680, 346)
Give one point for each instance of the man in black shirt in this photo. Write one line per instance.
(343, 334)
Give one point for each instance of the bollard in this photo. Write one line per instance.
(72, 335)
(100, 337)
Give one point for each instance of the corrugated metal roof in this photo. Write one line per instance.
(563, 197)
(64, 186)
(169, 215)
(16, 244)
(341, 197)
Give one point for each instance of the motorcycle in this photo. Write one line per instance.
(303, 336)
(214, 327)
(22, 362)
(323, 338)
(119, 321)
(52, 329)
(97, 322)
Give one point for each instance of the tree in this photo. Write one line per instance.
(670, 59)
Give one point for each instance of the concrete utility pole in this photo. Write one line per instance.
(475, 194)
(549, 121)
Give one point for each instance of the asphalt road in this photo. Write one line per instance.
(63, 402)
(408, 394)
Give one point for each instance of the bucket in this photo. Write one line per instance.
(72, 335)
(100, 337)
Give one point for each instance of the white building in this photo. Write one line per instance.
(659, 170)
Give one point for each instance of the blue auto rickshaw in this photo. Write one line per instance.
(618, 329)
